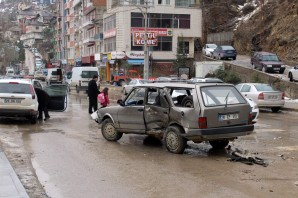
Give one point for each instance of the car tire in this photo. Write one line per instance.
(281, 71)
(219, 144)
(275, 109)
(33, 119)
(187, 102)
(109, 132)
(174, 142)
(291, 77)
(234, 58)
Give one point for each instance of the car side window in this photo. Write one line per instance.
(37, 84)
(157, 97)
(245, 88)
(136, 97)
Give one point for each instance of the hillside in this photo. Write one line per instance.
(270, 25)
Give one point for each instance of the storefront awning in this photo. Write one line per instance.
(136, 62)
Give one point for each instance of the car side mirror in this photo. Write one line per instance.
(120, 102)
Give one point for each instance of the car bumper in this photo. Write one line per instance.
(18, 112)
(218, 133)
(272, 103)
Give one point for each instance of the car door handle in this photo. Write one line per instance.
(140, 109)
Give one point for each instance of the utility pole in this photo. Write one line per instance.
(146, 58)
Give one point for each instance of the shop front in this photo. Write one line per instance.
(88, 60)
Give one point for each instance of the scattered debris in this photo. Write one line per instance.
(282, 157)
(296, 183)
(245, 157)
(277, 138)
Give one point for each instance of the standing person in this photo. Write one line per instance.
(93, 93)
(43, 100)
(103, 97)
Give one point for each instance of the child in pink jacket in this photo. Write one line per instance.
(103, 97)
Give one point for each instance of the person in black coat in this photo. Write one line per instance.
(93, 93)
(43, 100)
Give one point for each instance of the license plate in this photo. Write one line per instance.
(272, 97)
(232, 116)
(12, 100)
(276, 68)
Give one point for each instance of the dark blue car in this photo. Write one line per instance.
(224, 52)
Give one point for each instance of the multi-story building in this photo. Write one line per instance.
(169, 22)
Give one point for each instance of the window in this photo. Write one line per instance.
(164, 44)
(163, 2)
(110, 44)
(184, 3)
(136, 97)
(110, 22)
(15, 88)
(245, 88)
(184, 47)
(181, 21)
(88, 74)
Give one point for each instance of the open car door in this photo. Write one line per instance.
(58, 97)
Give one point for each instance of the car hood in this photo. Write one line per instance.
(272, 62)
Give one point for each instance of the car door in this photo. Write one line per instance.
(258, 60)
(58, 97)
(131, 115)
(295, 73)
(156, 109)
(249, 91)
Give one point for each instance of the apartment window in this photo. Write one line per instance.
(110, 44)
(37, 27)
(164, 44)
(158, 20)
(110, 22)
(185, 3)
(184, 45)
(137, 2)
(163, 2)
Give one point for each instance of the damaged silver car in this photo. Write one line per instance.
(180, 112)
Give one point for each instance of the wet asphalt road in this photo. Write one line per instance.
(72, 159)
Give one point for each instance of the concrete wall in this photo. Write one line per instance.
(248, 75)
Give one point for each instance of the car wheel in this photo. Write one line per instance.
(109, 132)
(264, 69)
(291, 77)
(219, 144)
(187, 102)
(234, 58)
(174, 142)
(281, 71)
(275, 109)
(33, 119)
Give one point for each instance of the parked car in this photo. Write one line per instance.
(208, 49)
(263, 95)
(210, 112)
(132, 83)
(39, 75)
(224, 52)
(293, 73)
(18, 99)
(267, 62)
(205, 80)
(254, 109)
(55, 75)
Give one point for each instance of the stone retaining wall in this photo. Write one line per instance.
(247, 75)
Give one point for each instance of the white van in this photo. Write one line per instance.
(81, 76)
(9, 72)
(55, 75)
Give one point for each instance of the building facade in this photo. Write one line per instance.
(169, 22)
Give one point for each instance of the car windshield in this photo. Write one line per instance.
(143, 81)
(270, 58)
(212, 46)
(264, 87)
(88, 74)
(221, 95)
(15, 88)
(227, 48)
(54, 72)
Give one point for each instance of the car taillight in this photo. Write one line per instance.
(32, 92)
(261, 96)
(250, 118)
(202, 122)
(283, 96)
(13, 83)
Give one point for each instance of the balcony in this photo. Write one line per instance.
(88, 24)
(98, 37)
(88, 8)
(76, 2)
(35, 36)
(89, 40)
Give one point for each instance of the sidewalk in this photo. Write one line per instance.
(10, 185)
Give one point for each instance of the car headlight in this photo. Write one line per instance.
(269, 65)
(283, 65)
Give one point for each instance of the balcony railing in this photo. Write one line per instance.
(89, 40)
(88, 24)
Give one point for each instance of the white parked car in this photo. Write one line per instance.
(18, 99)
(132, 83)
(208, 49)
(293, 73)
(254, 109)
(263, 95)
